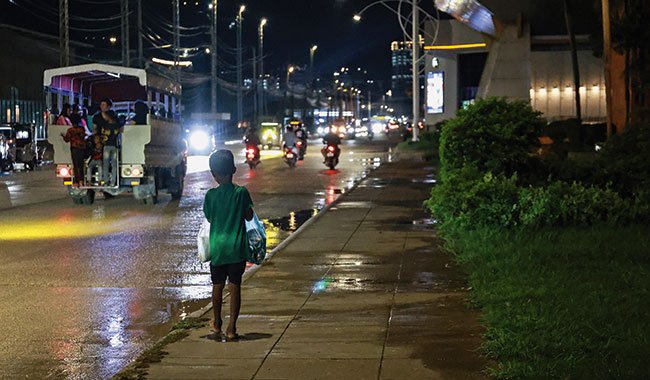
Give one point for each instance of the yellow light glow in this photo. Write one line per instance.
(456, 47)
(47, 229)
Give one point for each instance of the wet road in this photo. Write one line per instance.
(84, 289)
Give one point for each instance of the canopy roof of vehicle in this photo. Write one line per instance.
(82, 78)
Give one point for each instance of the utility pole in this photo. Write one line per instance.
(213, 59)
(64, 33)
(240, 66)
(177, 39)
(416, 69)
(126, 47)
(140, 47)
(607, 49)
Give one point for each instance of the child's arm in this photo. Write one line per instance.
(248, 214)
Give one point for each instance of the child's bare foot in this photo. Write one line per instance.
(215, 326)
(231, 335)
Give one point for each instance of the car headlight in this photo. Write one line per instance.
(319, 130)
(199, 140)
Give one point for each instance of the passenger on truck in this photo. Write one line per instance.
(108, 126)
(141, 110)
(64, 116)
(96, 160)
(76, 136)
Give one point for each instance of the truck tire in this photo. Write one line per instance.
(177, 183)
(89, 198)
(152, 199)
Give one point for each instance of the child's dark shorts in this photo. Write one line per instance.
(233, 272)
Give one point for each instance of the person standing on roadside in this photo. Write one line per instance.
(107, 125)
(226, 207)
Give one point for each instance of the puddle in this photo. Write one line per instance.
(348, 205)
(294, 220)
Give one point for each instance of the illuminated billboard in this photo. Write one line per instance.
(436, 93)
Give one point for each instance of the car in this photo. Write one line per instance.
(17, 147)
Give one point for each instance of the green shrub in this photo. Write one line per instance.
(469, 199)
(626, 160)
(466, 200)
(492, 135)
(564, 204)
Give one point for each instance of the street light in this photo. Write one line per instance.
(415, 47)
(260, 32)
(312, 52)
(240, 93)
(290, 70)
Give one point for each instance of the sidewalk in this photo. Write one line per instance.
(363, 293)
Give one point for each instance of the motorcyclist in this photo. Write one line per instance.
(251, 137)
(334, 140)
(301, 135)
(289, 140)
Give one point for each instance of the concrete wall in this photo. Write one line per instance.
(508, 69)
(552, 88)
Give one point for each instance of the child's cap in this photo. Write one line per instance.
(222, 162)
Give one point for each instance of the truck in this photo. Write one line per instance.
(153, 156)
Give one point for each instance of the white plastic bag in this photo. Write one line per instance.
(256, 240)
(203, 241)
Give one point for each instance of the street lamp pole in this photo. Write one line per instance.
(312, 52)
(290, 71)
(416, 69)
(213, 59)
(240, 80)
(262, 107)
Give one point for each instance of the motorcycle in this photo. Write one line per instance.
(331, 156)
(252, 156)
(290, 157)
(302, 149)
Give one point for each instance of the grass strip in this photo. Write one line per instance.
(569, 303)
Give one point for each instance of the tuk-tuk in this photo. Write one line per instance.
(17, 147)
(270, 135)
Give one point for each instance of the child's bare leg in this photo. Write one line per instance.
(235, 305)
(217, 300)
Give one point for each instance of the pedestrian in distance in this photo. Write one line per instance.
(227, 207)
(76, 136)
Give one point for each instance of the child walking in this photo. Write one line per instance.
(226, 207)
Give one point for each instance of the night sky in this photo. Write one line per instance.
(292, 28)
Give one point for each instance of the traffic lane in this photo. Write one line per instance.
(84, 288)
(23, 188)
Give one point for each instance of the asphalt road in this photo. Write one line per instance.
(84, 289)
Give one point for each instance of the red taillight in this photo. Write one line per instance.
(299, 143)
(251, 151)
(136, 172)
(331, 148)
(64, 172)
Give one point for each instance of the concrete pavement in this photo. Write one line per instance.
(363, 293)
